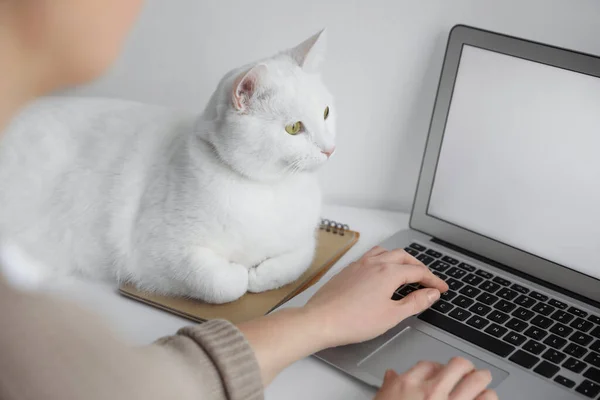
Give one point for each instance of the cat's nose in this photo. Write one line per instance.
(329, 152)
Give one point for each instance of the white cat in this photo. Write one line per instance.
(204, 206)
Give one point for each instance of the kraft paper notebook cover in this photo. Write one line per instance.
(333, 241)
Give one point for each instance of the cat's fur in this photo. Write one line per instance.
(207, 207)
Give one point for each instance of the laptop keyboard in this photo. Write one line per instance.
(538, 333)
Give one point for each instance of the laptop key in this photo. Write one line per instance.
(555, 342)
(425, 259)
(538, 296)
(467, 333)
(406, 290)
(442, 306)
(574, 365)
(463, 302)
(411, 251)
(470, 291)
(534, 347)
(433, 253)
(578, 312)
(581, 325)
(561, 330)
(546, 369)
(593, 374)
(496, 330)
(484, 274)
(519, 288)
(498, 317)
(543, 309)
(480, 309)
(524, 359)
(439, 266)
(593, 358)
(596, 332)
(450, 260)
(453, 284)
(542, 322)
(581, 338)
(588, 388)
(456, 273)
(562, 316)
(490, 286)
(525, 301)
(397, 296)
(502, 281)
(576, 350)
(558, 304)
(473, 279)
(448, 295)
(596, 346)
(505, 306)
(594, 319)
(478, 322)
(515, 338)
(507, 294)
(566, 382)
(516, 325)
(487, 299)
(467, 267)
(460, 314)
(523, 314)
(536, 333)
(554, 356)
(418, 247)
(440, 275)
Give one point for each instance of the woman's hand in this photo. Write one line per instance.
(431, 381)
(356, 305)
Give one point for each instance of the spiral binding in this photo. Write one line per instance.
(334, 227)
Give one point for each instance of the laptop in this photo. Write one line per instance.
(507, 212)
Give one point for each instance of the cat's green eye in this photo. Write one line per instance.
(294, 129)
(326, 112)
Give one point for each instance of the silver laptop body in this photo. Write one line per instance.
(507, 210)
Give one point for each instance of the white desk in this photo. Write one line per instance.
(306, 379)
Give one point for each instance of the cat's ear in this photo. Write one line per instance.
(310, 54)
(245, 86)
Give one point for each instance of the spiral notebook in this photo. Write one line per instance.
(333, 241)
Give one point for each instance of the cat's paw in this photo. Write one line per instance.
(230, 287)
(266, 276)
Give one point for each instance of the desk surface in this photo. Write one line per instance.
(308, 378)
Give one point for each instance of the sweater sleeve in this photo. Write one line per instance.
(222, 350)
(54, 350)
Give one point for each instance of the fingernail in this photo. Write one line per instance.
(433, 295)
(388, 374)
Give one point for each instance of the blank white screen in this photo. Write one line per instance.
(520, 159)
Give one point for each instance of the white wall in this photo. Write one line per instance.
(383, 65)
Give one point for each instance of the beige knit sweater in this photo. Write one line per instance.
(51, 350)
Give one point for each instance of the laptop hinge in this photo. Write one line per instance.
(516, 272)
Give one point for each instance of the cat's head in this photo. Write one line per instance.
(274, 117)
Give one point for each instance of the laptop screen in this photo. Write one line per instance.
(520, 158)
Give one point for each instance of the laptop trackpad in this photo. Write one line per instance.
(412, 346)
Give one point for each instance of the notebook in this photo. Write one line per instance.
(333, 241)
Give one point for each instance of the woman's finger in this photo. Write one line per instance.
(405, 274)
(445, 382)
(488, 395)
(416, 302)
(422, 371)
(472, 385)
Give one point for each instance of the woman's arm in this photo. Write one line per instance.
(53, 350)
